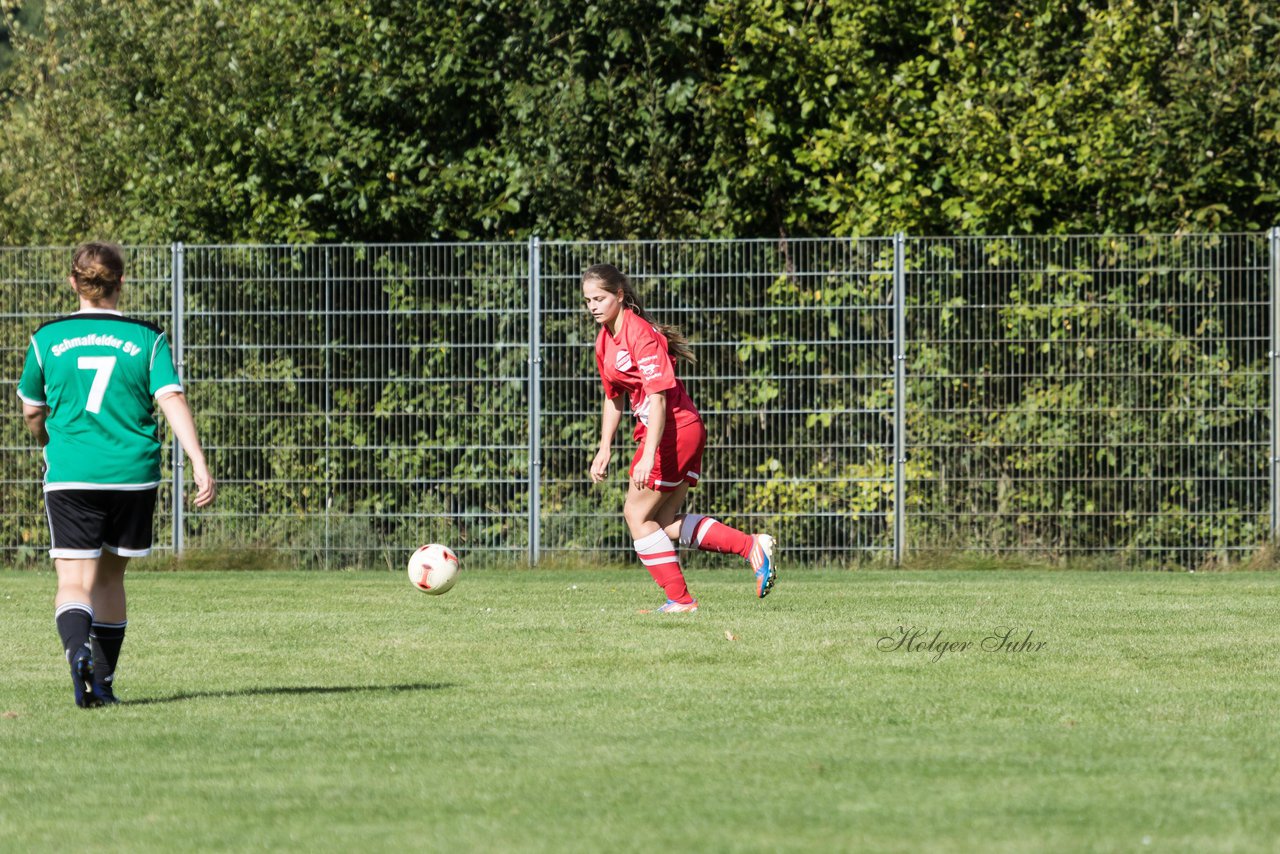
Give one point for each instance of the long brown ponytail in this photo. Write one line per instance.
(613, 280)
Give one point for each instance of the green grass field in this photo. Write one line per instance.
(537, 711)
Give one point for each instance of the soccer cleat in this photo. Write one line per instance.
(105, 694)
(762, 562)
(82, 677)
(674, 607)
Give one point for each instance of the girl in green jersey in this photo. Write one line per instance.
(89, 388)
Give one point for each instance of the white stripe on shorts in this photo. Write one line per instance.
(115, 550)
(75, 554)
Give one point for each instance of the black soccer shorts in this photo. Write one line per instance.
(84, 522)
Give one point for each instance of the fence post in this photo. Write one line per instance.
(178, 256)
(899, 395)
(328, 408)
(1273, 284)
(535, 398)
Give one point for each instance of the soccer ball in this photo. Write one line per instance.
(433, 569)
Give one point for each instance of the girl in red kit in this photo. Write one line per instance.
(637, 357)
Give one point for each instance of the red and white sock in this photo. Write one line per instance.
(658, 554)
(709, 535)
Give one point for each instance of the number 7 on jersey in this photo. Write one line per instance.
(102, 366)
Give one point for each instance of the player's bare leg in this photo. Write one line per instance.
(73, 580)
(647, 510)
(106, 587)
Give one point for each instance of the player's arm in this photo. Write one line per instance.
(35, 417)
(178, 414)
(32, 392)
(610, 418)
(652, 439)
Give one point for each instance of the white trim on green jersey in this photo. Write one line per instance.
(99, 372)
(118, 487)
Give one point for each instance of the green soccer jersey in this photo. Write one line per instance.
(99, 373)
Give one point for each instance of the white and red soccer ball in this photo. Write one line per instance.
(433, 569)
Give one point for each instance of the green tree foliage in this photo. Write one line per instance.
(985, 117)
(365, 121)
(375, 121)
(20, 17)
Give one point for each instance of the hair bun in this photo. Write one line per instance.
(98, 269)
(97, 275)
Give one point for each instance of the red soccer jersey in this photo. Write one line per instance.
(638, 363)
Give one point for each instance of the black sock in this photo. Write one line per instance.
(73, 621)
(106, 639)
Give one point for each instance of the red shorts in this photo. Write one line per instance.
(679, 457)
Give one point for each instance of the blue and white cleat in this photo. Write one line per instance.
(674, 607)
(82, 679)
(763, 564)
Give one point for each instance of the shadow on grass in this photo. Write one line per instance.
(299, 689)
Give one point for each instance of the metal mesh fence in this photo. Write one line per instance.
(361, 399)
(1056, 396)
(1073, 395)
